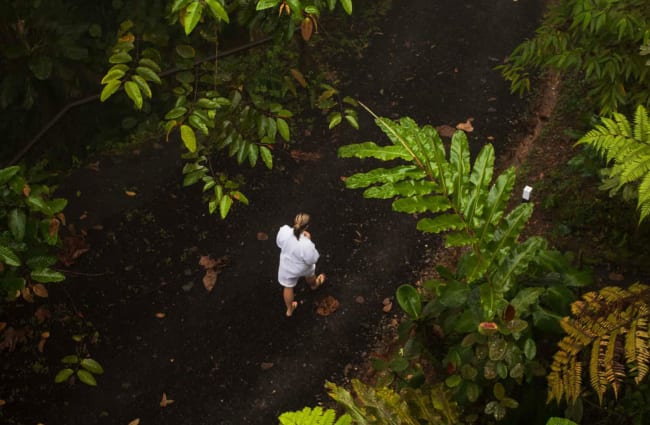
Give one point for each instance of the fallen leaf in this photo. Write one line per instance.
(42, 314)
(165, 401)
(207, 262)
(93, 166)
(54, 227)
(40, 290)
(83, 216)
(490, 138)
(386, 301)
(387, 307)
(343, 178)
(12, 337)
(445, 130)
(129, 193)
(135, 421)
(3, 325)
(61, 218)
(45, 335)
(466, 126)
(305, 156)
(41, 345)
(210, 279)
(299, 77)
(261, 236)
(160, 315)
(73, 247)
(2, 402)
(327, 306)
(266, 365)
(27, 190)
(27, 295)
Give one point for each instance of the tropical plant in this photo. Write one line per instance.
(600, 39)
(627, 148)
(482, 309)
(30, 218)
(606, 339)
(383, 406)
(315, 416)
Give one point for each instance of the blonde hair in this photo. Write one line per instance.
(300, 223)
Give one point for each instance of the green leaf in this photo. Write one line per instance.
(440, 223)
(9, 257)
(148, 74)
(109, 89)
(383, 175)
(420, 204)
(36, 203)
(283, 128)
(142, 83)
(459, 160)
(70, 359)
(217, 10)
(133, 91)
(40, 262)
(178, 5)
(224, 206)
(7, 173)
(17, 220)
(353, 121)
(188, 137)
(253, 154)
(86, 377)
(63, 375)
(409, 300)
(176, 113)
(193, 14)
(47, 275)
(113, 74)
(267, 157)
(150, 63)
(266, 4)
(120, 57)
(347, 6)
(458, 239)
(453, 381)
(334, 120)
(372, 150)
(57, 205)
(92, 366)
(530, 349)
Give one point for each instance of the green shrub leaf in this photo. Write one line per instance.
(409, 300)
(63, 375)
(86, 377)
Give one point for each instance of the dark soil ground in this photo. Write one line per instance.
(229, 356)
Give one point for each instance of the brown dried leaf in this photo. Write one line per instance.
(41, 345)
(61, 218)
(73, 248)
(261, 236)
(12, 337)
(27, 295)
(160, 315)
(210, 279)
(466, 126)
(306, 28)
(2, 402)
(130, 193)
(207, 262)
(387, 307)
(386, 301)
(54, 226)
(445, 130)
(27, 190)
(42, 314)
(40, 290)
(164, 402)
(135, 421)
(266, 365)
(305, 156)
(327, 306)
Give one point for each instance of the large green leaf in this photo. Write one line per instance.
(109, 89)
(496, 203)
(460, 168)
(347, 6)
(267, 157)
(480, 179)
(440, 223)
(372, 150)
(420, 204)
(17, 220)
(400, 188)
(133, 91)
(86, 377)
(57, 205)
(224, 206)
(217, 10)
(510, 228)
(193, 14)
(384, 175)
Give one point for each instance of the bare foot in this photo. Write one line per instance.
(294, 306)
(318, 281)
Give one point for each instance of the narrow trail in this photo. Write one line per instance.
(229, 356)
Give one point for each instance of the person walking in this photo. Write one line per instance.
(298, 258)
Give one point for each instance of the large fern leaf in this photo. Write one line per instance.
(627, 149)
(315, 416)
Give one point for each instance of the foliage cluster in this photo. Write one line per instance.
(602, 39)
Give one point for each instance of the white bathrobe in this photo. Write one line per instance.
(298, 257)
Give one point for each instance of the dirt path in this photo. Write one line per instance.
(229, 356)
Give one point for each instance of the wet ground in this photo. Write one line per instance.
(229, 356)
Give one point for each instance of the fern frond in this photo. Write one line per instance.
(315, 416)
(643, 202)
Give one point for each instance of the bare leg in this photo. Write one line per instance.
(287, 294)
